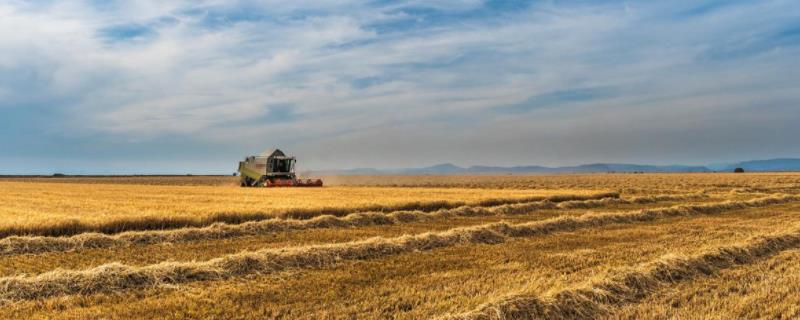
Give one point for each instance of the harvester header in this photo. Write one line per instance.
(272, 168)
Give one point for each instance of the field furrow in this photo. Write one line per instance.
(39, 244)
(423, 284)
(599, 298)
(142, 255)
(116, 277)
(769, 289)
(29, 213)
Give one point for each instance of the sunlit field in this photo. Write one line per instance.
(38, 205)
(373, 247)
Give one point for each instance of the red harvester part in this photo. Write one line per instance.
(308, 183)
(293, 183)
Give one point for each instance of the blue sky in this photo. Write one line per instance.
(192, 86)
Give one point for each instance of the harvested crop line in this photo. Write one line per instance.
(167, 223)
(115, 277)
(598, 299)
(22, 245)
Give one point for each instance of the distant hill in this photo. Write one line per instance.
(595, 167)
(767, 165)
(445, 168)
(617, 167)
(449, 168)
(521, 169)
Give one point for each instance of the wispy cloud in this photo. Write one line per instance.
(395, 83)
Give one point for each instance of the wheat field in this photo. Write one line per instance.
(571, 246)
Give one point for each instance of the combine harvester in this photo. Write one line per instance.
(272, 168)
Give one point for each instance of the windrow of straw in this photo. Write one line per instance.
(39, 244)
(586, 204)
(73, 227)
(599, 299)
(115, 277)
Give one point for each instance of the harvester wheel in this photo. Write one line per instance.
(248, 182)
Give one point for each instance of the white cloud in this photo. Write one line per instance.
(360, 76)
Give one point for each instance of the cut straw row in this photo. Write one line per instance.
(116, 277)
(39, 244)
(73, 227)
(600, 298)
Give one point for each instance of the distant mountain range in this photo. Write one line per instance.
(786, 164)
(449, 168)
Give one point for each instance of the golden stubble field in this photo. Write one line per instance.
(57, 208)
(452, 247)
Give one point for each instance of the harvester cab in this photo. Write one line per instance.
(272, 168)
